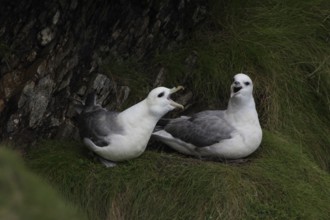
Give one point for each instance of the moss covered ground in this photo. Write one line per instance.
(284, 46)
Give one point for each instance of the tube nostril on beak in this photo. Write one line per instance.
(236, 83)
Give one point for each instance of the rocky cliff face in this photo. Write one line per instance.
(51, 54)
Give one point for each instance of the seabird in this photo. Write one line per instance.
(120, 136)
(233, 133)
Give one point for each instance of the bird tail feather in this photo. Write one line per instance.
(90, 102)
(90, 144)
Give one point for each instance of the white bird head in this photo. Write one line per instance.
(160, 102)
(242, 87)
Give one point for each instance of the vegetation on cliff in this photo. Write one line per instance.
(284, 46)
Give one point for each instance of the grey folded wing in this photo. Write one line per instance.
(202, 129)
(97, 124)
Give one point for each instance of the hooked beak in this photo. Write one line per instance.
(175, 89)
(173, 103)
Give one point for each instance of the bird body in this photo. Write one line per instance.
(230, 134)
(119, 136)
(131, 141)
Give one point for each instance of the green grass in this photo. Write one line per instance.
(26, 196)
(279, 182)
(284, 47)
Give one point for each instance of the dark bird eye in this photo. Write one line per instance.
(161, 94)
(247, 83)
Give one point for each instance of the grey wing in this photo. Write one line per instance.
(97, 124)
(202, 129)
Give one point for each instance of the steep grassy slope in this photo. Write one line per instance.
(26, 196)
(284, 47)
(279, 182)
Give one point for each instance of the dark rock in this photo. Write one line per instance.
(51, 54)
